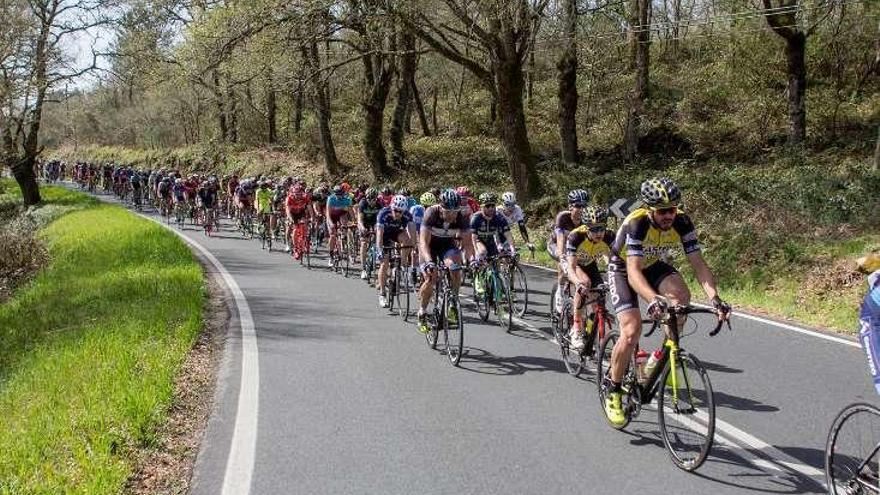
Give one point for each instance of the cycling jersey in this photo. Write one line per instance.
(564, 223)
(418, 213)
(486, 229)
(390, 226)
(208, 196)
(369, 212)
(443, 233)
(264, 200)
(337, 206)
(298, 202)
(638, 236)
(513, 215)
(179, 191)
(585, 251)
(869, 322)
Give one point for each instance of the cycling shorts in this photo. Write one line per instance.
(622, 294)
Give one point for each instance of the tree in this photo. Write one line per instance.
(640, 39)
(500, 31)
(405, 86)
(782, 18)
(567, 93)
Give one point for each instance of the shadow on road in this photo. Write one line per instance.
(481, 361)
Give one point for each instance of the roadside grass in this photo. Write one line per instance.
(89, 348)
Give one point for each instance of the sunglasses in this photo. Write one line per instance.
(597, 228)
(670, 210)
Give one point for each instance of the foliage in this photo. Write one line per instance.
(110, 318)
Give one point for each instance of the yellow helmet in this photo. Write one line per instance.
(869, 263)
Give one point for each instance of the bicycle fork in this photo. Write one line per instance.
(674, 363)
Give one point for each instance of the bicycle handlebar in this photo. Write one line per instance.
(688, 310)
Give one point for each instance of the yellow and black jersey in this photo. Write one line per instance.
(638, 236)
(579, 245)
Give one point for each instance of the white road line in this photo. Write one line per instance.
(740, 314)
(240, 463)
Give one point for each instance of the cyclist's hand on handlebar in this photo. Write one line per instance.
(722, 308)
(474, 264)
(658, 307)
(428, 266)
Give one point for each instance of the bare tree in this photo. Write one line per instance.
(640, 39)
(567, 90)
(491, 40)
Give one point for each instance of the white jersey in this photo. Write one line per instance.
(513, 215)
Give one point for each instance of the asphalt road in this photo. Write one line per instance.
(349, 399)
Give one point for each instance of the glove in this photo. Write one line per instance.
(583, 290)
(379, 253)
(720, 306)
(657, 307)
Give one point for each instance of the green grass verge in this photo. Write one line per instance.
(90, 347)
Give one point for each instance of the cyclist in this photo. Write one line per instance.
(584, 246)
(207, 197)
(263, 202)
(244, 196)
(869, 314)
(566, 221)
(338, 211)
(231, 188)
(385, 196)
(297, 207)
(514, 215)
(469, 205)
(393, 224)
(646, 238)
(486, 225)
(442, 223)
(179, 191)
(367, 211)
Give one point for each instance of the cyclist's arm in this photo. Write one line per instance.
(523, 231)
(467, 241)
(424, 244)
(703, 273)
(380, 237)
(637, 280)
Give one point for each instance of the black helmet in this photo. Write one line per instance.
(660, 192)
(578, 196)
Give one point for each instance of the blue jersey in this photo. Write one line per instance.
(869, 331)
(386, 221)
(336, 203)
(487, 228)
(417, 213)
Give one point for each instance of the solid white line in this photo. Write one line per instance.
(748, 316)
(240, 463)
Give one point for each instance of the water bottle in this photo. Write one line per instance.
(641, 359)
(652, 362)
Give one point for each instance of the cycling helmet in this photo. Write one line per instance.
(338, 191)
(594, 215)
(450, 200)
(488, 198)
(298, 188)
(386, 190)
(463, 191)
(345, 186)
(372, 194)
(660, 193)
(578, 196)
(428, 199)
(178, 181)
(399, 203)
(404, 192)
(508, 198)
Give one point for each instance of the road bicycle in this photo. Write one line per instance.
(852, 452)
(301, 243)
(446, 300)
(685, 401)
(597, 325)
(491, 290)
(397, 281)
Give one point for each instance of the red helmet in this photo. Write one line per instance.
(346, 187)
(464, 191)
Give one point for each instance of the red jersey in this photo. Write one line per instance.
(298, 202)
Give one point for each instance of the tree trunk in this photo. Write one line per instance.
(233, 114)
(322, 109)
(404, 93)
(222, 124)
(512, 127)
(297, 111)
(567, 93)
(640, 39)
(420, 109)
(434, 111)
(797, 84)
(271, 112)
(877, 151)
(23, 171)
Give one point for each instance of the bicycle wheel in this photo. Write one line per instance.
(630, 394)
(503, 303)
(453, 332)
(519, 291)
(686, 412)
(345, 254)
(403, 292)
(306, 248)
(851, 452)
(392, 282)
(574, 361)
(481, 297)
(551, 307)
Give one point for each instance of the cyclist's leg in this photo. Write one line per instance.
(668, 282)
(578, 314)
(626, 305)
(452, 258)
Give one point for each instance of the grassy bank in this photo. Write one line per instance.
(89, 348)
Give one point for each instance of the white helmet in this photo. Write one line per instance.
(508, 198)
(399, 202)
